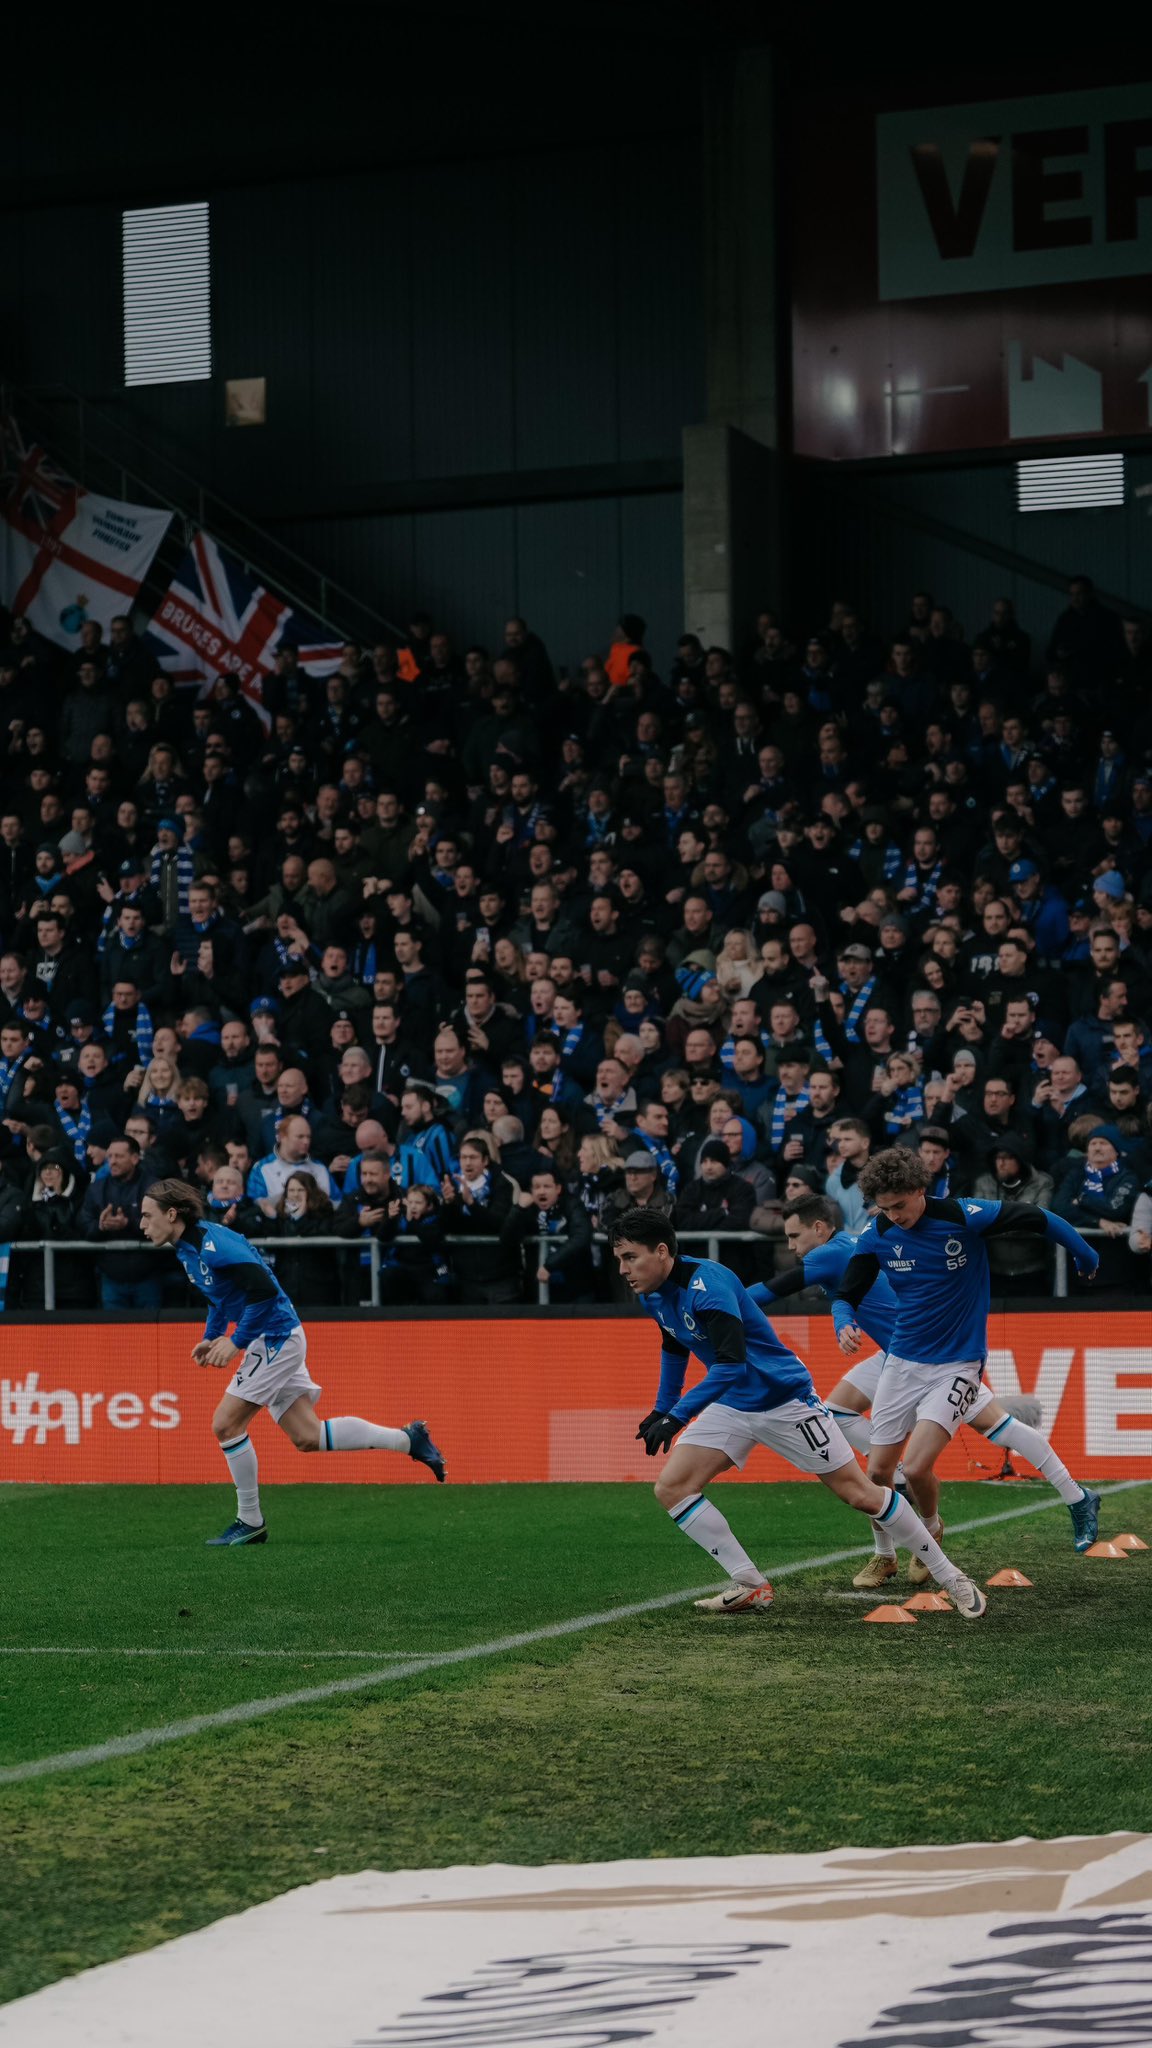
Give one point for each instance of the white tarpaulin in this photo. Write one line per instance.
(67, 556)
(1014, 1945)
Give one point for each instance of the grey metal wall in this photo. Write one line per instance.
(848, 546)
(570, 568)
(457, 328)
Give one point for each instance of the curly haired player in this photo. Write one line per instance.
(824, 1253)
(933, 1253)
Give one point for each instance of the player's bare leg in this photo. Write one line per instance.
(680, 1489)
(880, 1502)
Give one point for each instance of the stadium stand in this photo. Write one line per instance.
(457, 937)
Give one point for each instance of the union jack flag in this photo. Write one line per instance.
(216, 619)
(34, 488)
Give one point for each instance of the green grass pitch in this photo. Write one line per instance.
(666, 1734)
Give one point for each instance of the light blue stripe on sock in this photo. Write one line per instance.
(239, 1445)
(890, 1510)
(681, 1521)
(1002, 1424)
(327, 1436)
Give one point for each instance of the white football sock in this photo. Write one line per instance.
(707, 1527)
(349, 1433)
(242, 1465)
(1038, 1451)
(857, 1428)
(909, 1531)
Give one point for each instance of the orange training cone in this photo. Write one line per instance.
(1008, 1577)
(889, 1614)
(1129, 1542)
(928, 1603)
(1104, 1550)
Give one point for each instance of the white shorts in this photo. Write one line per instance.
(274, 1375)
(803, 1432)
(865, 1377)
(910, 1393)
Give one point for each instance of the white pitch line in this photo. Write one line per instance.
(258, 1710)
(190, 1650)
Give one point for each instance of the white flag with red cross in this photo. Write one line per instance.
(66, 555)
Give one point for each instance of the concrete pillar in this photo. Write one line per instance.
(732, 562)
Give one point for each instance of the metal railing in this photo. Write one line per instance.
(106, 453)
(49, 1247)
(711, 1239)
(94, 1248)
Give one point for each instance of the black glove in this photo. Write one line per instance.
(659, 1434)
(652, 1416)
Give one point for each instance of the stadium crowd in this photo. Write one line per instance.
(465, 953)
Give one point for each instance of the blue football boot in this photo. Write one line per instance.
(237, 1532)
(1085, 1515)
(422, 1448)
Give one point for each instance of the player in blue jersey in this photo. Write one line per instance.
(824, 1253)
(934, 1256)
(268, 1350)
(754, 1391)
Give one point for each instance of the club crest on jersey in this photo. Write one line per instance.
(953, 1246)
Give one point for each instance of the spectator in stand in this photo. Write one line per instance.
(948, 862)
(227, 1201)
(309, 1274)
(556, 1139)
(1098, 1192)
(291, 1153)
(718, 1199)
(52, 1213)
(425, 1152)
(1019, 1265)
(110, 1214)
(739, 1139)
(935, 1151)
(478, 1201)
(850, 1149)
(1060, 1097)
(411, 1234)
(599, 1174)
(550, 1231)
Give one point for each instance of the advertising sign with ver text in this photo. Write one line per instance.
(527, 1400)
